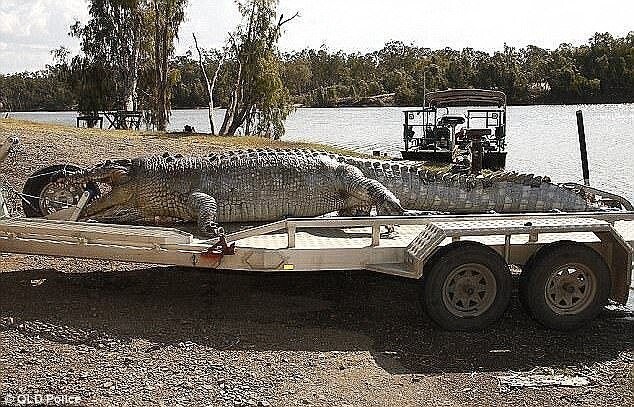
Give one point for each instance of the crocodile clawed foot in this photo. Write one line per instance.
(391, 208)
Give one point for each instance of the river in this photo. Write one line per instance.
(541, 139)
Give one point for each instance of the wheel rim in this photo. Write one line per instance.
(55, 197)
(570, 288)
(469, 290)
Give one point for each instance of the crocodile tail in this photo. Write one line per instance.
(422, 189)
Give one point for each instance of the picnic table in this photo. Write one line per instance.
(91, 120)
(123, 119)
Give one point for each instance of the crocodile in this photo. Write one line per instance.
(245, 186)
(259, 185)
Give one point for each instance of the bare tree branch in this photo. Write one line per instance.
(215, 78)
(283, 21)
(210, 86)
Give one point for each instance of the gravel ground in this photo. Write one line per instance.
(117, 334)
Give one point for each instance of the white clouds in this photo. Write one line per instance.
(210, 20)
(29, 29)
(362, 25)
(483, 24)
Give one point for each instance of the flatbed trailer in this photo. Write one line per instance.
(473, 251)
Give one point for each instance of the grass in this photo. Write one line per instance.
(24, 127)
(36, 131)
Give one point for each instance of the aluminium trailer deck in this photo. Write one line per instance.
(316, 244)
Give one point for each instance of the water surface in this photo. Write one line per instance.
(541, 139)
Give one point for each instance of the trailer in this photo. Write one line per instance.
(571, 263)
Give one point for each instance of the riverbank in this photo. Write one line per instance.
(45, 144)
(127, 334)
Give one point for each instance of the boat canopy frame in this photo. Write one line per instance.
(466, 97)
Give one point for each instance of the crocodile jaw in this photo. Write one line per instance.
(119, 200)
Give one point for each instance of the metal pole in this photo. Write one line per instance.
(424, 87)
(583, 148)
(405, 123)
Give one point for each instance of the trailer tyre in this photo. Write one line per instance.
(467, 286)
(565, 286)
(41, 196)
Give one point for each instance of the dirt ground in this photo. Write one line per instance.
(118, 334)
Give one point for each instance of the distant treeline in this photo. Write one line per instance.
(601, 71)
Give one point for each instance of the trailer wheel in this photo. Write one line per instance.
(566, 285)
(41, 196)
(467, 287)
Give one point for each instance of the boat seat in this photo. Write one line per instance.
(474, 133)
(452, 120)
(499, 133)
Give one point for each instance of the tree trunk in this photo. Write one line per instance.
(210, 86)
(233, 105)
(131, 103)
(161, 29)
(238, 120)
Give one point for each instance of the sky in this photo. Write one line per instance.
(29, 29)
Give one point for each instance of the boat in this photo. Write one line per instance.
(452, 122)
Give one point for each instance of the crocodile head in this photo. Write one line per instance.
(119, 203)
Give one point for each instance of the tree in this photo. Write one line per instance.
(600, 71)
(259, 100)
(91, 82)
(164, 17)
(210, 84)
(111, 41)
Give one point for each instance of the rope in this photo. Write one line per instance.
(63, 171)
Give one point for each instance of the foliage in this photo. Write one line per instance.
(32, 91)
(259, 101)
(111, 45)
(163, 20)
(601, 71)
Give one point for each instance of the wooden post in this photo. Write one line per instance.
(583, 148)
